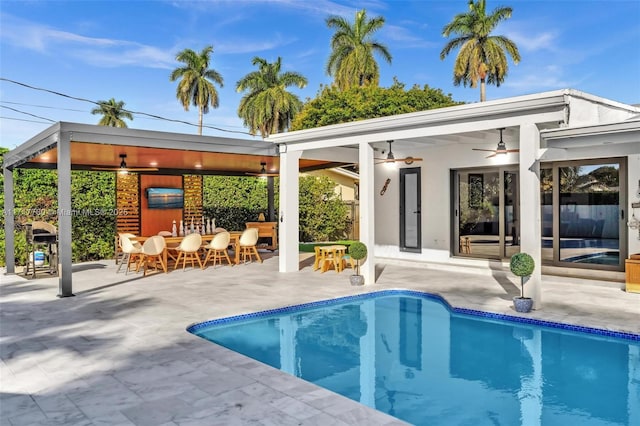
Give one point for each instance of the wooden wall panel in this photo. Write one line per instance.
(193, 202)
(156, 220)
(128, 203)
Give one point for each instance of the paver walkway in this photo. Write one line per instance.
(118, 354)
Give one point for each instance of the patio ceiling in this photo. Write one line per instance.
(98, 146)
(85, 156)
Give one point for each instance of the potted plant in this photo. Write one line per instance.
(522, 265)
(357, 251)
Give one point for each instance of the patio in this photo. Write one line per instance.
(118, 352)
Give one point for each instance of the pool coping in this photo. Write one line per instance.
(193, 328)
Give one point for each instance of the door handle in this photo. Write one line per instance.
(417, 211)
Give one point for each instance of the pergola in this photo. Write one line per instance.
(72, 146)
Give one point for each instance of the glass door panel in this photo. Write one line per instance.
(546, 213)
(478, 213)
(589, 212)
(410, 214)
(511, 214)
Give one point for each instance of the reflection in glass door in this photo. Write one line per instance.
(582, 218)
(487, 213)
(589, 211)
(511, 214)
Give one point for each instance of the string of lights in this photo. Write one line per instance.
(140, 113)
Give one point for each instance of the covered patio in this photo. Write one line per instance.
(72, 146)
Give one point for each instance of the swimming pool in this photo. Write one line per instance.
(412, 356)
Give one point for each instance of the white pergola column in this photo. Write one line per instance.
(289, 212)
(9, 222)
(530, 227)
(64, 216)
(367, 210)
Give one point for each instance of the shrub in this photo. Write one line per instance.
(358, 251)
(522, 265)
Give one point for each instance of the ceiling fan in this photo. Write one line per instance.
(392, 159)
(500, 150)
(123, 167)
(263, 171)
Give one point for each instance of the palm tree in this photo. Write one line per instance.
(351, 62)
(482, 57)
(196, 84)
(113, 113)
(269, 107)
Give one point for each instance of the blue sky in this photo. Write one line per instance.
(126, 50)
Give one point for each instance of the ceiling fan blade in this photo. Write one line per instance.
(407, 160)
(128, 169)
(480, 149)
(262, 174)
(512, 150)
(142, 169)
(492, 155)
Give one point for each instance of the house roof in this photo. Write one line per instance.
(472, 123)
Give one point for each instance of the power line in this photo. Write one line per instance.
(42, 106)
(27, 113)
(22, 119)
(124, 110)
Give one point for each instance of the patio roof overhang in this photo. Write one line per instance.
(172, 153)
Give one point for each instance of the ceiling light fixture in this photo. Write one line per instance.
(263, 171)
(124, 169)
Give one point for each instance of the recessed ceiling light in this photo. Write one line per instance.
(153, 164)
(198, 166)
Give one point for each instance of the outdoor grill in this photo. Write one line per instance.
(38, 235)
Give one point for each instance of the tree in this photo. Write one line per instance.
(352, 61)
(333, 106)
(113, 113)
(268, 107)
(323, 215)
(196, 86)
(482, 57)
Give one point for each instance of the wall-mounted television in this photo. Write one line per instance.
(165, 198)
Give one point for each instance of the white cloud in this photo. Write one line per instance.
(533, 42)
(319, 7)
(93, 50)
(547, 78)
(407, 39)
(250, 46)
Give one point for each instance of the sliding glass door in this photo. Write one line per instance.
(582, 215)
(487, 213)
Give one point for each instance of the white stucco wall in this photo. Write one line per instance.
(587, 112)
(436, 199)
(436, 196)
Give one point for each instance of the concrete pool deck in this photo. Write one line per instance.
(118, 354)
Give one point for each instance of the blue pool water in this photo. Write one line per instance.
(412, 356)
